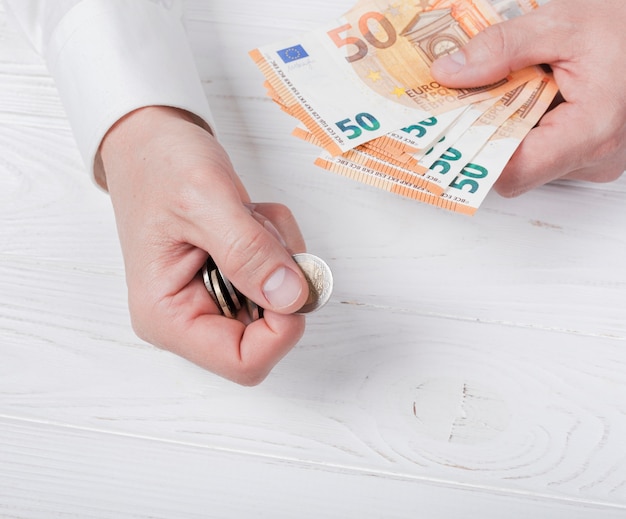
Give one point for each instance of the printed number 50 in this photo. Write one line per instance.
(364, 121)
(365, 30)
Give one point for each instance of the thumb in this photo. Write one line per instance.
(499, 50)
(253, 255)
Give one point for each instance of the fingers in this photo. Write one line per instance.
(255, 256)
(189, 324)
(239, 350)
(227, 347)
(583, 136)
(243, 354)
(557, 148)
(280, 222)
(535, 38)
(544, 155)
(176, 197)
(183, 318)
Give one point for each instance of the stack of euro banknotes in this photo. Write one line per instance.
(361, 89)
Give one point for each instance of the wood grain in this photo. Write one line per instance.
(463, 366)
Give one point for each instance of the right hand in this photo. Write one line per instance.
(583, 41)
(176, 199)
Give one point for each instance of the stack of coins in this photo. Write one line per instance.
(230, 300)
(227, 298)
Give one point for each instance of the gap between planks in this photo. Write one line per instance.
(328, 466)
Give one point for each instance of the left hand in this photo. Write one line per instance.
(583, 41)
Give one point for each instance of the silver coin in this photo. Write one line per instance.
(232, 292)
(254, 311)
(206, 277)
(228, 299)
(223, 303)
(320, 280)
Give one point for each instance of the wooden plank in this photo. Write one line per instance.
(48, 471)
(464, 365)
(464, 402)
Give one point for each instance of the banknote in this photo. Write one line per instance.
(367, 73)
(361, 89)
(468, 189)
(478, 176)
(445, 166)
(408, 145)
(436, 169)
(416, 138)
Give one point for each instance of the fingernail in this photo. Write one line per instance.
(269, 226)
(451, 63)
(282, 288)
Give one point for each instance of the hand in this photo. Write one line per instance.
(583, 41)
(176, 198)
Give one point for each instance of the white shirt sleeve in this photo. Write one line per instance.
(110, 57)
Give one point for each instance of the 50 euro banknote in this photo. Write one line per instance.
(465, 191)
(436, 155)
(367, 73)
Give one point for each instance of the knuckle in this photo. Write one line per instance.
(605, 175)
(608, 154)
(246, 254)
(511, 190)
(505, 192)
(139, 322)
(278, 214)
(144, 319)
(503, 46)
(190, 195)
(283, 213)
(508, 186)
(250, 376)
(487, 45)
(611, 146)
(494, 40)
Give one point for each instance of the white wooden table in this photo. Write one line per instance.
(465, 367)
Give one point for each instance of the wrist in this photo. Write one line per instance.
(131, 135)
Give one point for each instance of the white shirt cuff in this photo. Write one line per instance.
(110, 57)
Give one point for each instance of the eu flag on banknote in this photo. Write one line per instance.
(292, 53)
